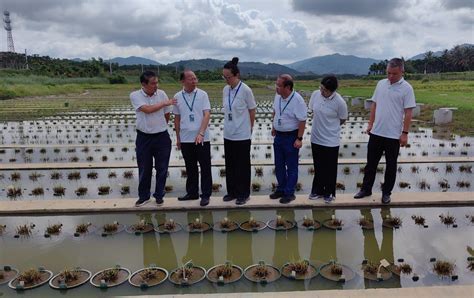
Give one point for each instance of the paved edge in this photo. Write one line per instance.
(404, 199)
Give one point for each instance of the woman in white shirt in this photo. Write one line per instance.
(329, 113)
(239, 116)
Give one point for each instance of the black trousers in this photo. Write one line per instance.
(376, 148)
(237, 168)
(325, 169)
(194, 154)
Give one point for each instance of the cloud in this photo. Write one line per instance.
(456, 4)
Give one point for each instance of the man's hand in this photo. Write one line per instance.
(170, 102)
(199, 140)
(369, 128)
(403, 140)
(298, 144)
(273, 132)
(178, 144)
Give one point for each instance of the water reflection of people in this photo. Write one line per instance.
(286, 242)
(239, 243)
(374, 254)
(200, 245)
(161, 252)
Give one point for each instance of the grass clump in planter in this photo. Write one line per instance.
(168, 188)
(111, 228)
(224, 270)
(24, 230)
(443, 268)
(403, 184)
(336, 269)
(69, 275)
(56, 176)
(261, 270)
(463, 184)
(256, 186)
(54, 229)
(109, 275)
(447, 219)
(37, 191)
(258, 171)
(30, 276)
(216, 187)
(83, 228)
(112, 175)
(419, 220)
(15, 176)
(128, 174)
(423, 185)
(149, 274)
(125, 189)
(13, 192)
(103, 190)
(300, 267)
(81, 191)
(74, 175)
(92, 175)
(404, 268)
(170, 225)
(59, 190)
(35, 176)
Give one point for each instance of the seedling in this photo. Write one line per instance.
(83, 228)
(80, 191)
(109, 275)
(261, 270)
(256, 186)
(59, 190)
(224, 270)
(30, 276)
(300, 267)
(149, 274)
(419, 220)
(447, 219)
(54, 229)
(104, 189)
(128, 174)
(443, 268)
(216, 187)
(13, 192)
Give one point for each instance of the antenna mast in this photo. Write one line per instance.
(8, 28)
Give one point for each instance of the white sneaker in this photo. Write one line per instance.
(314, 196)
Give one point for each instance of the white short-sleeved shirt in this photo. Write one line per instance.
(152, 122)
(327, 116)
(289, 112)
(190, 121)
(392, 100)
(237, 102)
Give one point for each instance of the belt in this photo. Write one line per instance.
(151, 134)
(287, 133)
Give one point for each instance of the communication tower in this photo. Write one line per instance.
(8, 27)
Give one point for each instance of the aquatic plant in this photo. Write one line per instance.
(170, 225)
(225, 223)
(35, 176)
(112, 175)
(168, 188)
(69, 275)
(92, 175)
(371, 268)
(24, 230)
(109, 275)
(140, 226)
(196, 224)
(224, 270)
(363, 222)
(15, 176)
(280, 221)
(216, 187)
(54, 228)
(30, 276)
(56, 176)
(404, 268)
(111, 228)
(308, 222)
(253, 223)
(336, 222)
(222, 172)
(184, 174)
(340, 186)
(346, 170)
(393, 220)
(13, 191)
(256, 186)
(37, 191)
(59, 190)
(149, 274)
(423, 185)
(419, 220)
(83, 228)
(311, 171)
(80, 191)
(103, 189)
(261, 270)
(74, 175)
(128, 174)
(336, 269)
(447, 219)
(449, 168)
(299, 267)
(258, 171)
(443, 268)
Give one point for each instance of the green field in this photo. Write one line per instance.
(33, 96)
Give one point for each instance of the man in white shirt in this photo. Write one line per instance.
(152, 108)
(390, 118)
(289, 120)
(192, 113)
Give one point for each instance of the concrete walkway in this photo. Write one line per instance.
(405, 199)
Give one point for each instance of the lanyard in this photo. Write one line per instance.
(192, 104)
(231, 103)
(281, 111)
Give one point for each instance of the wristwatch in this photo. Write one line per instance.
(299, 138)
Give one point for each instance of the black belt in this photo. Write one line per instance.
(150, 134)
(287, 133)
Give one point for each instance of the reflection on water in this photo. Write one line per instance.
(349, 246)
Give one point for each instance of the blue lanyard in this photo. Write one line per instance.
(192, 104)
(235, 95)
(281, 111)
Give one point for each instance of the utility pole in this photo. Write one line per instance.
(110, 67)
(26, 60)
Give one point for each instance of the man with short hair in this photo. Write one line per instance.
(152, 108)
(389, 122)
(192, 113)
(289, 120)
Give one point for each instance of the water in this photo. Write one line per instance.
(350, 246)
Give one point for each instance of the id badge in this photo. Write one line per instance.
(279, 122)
(229, 116)
(191, 117)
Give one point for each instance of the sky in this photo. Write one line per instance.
(279, 31)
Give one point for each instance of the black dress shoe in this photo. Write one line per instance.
(276, 195)
(241, 201)
(362, 194)
(287, 198)
(385, 199)
(228, 198)
(204, 202)
(188, 197)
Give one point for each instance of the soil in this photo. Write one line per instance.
(8, 275)
(326, 272)
(137, 280)
(148, 228)
(45, 276)
(315, 226)
(205, 227)
(386, 274)
(161, 229)
(272, 224)
(310, 273)
(83, 277)
(246, 226)
(235, 276)
(273, 274)
(233, 226)
(328, 224)
(122, 276)
(198, 275)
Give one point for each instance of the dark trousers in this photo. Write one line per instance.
(286, 162)
(193, 154)
(376, 147)
(237, 168)
(325, 169)
(149, 147)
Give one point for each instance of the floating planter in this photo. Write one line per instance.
(280, 224)
(444, 269)
(54, 230)
(470, 219)
(308, 224)
(448, 219)
(376, 272)
(148, 277)
(333, 223)
(140, 228)
(336, 272)
(400, 269)
(365, 223)
(419, 220)
(262, 273)
(224, 273)
(30, 279)
(225, 225)
(253, 225)
(169, 226)
(84, 229)
(110, 277)
(198, 226)
(7, 274)
(470, 265)
(24, 231)
(392, 222)
(187, 275)
(301, 270)
(111, 229)
(70, 278)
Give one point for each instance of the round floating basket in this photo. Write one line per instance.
(198, 274)
(59, 283)
(90, 230)
(330, 224)
(103, 233)
(16, 284)
(246, 226)
(139, 230)
(397, 270)
(148, 277)
(388, 224)
(286, 225)
(204, 227)
(310, 224)
(384, 274)
(289, 271)
(251, 273)
(224, 227)
(327, 272)
(214, 275)
(98, 281)
(366, 224)
(162, 229)
(8, 274)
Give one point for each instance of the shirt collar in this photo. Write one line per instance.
(328, 98)
(399, 82)
(146, 95)
(194, 91)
